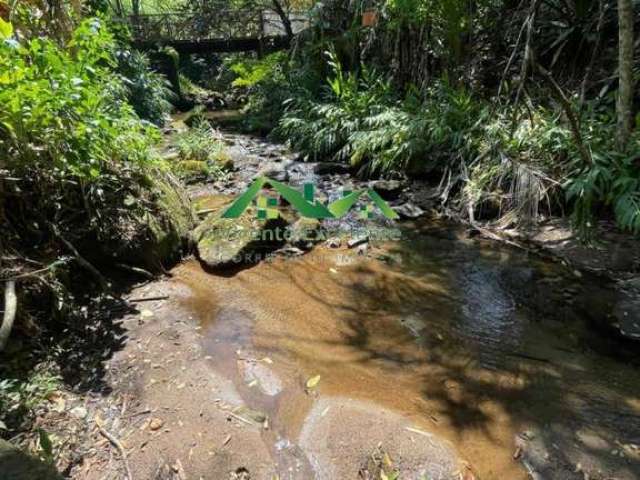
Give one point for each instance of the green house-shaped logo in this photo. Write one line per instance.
(304, 202)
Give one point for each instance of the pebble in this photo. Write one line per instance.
(78, 412)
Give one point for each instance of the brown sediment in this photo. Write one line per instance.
(393, 336)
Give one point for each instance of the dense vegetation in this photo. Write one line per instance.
(511, 108)
(513, 111)
(81, 189)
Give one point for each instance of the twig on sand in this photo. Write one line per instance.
(148, 299)
(116, 443)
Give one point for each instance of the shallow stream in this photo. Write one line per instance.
(481, 345)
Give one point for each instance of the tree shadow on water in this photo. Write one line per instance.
(410, 327)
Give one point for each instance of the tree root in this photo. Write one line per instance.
(10, 308)
(81, 260)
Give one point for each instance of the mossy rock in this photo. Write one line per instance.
(224, 160)
(170, 229)
(196, 167)
(227, 242)
(18, 465)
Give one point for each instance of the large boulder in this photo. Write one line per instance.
(17, 465)
(165, 233)
(151, 227)
(340, 435)
(227, 242)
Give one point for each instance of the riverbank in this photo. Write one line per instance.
(444, 353)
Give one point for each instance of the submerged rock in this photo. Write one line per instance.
(409, 211)
(388, 189)
(339, 436)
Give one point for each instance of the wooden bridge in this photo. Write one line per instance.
(220, 31)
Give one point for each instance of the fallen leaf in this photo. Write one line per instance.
(146, 314)
(419, 432)
(313, 382)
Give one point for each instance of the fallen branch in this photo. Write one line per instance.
(81, 260)
(138, 270)
(116, 443)
(148, 299)
(35, 273)
(10, 308)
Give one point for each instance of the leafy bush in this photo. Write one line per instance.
(446, 130)
(267, 84)
(64, 110)
(147, 91)
(250, 72)
(613, 180)
(201, 152)
(18, 397)
(322, 129)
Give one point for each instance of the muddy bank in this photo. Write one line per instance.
(441, 354)
(436, 351)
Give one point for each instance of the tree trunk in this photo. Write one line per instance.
(284, 17)
(625, 71)
(135, 7)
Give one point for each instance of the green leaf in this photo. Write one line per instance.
(45, 444)
(6, 30)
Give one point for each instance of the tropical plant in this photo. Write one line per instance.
(147, 91)
(64, 109)
(201, 153)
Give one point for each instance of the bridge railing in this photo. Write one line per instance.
(221, 24)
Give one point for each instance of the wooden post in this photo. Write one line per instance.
(261, 33)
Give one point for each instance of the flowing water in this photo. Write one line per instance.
(478, 344)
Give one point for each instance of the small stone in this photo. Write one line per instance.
(78, 412)
(334, 242)
(156, 424)
(409, 211)
(388, 189)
